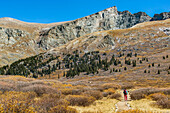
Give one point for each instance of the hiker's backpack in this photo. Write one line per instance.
(125, 92)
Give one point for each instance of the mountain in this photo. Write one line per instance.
(161, 16)
(20, 40)
(99, 51)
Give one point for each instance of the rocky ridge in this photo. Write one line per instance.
(15, 44)
(143, 37)
(108, 19)
(161, 16)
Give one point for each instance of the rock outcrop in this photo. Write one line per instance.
(161, 16)
(108, 19)
(15, 44)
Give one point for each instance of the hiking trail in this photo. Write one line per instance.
(123, 105)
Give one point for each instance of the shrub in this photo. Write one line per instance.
(164, 102)
(40, 89)
(166, 91)
(109, 91)
(66, 91)
(157, 96)
(26, 84)
(115, 96)
(4, 86)
(105, 94)
(141, 93)
(16, 102)
(127, 86)
(134, 111)
(62, 109)
(96, 94)
(71, 91)
(110, 85)
(80, 100)
(48, 101)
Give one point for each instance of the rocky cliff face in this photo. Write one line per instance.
(108, 19)
(126, 19)
(11, 36)
(15, 44)
(161, 16)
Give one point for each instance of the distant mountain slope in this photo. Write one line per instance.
(25, 26)
(21, 39)
(92, 52)
(155, 35)
(108, 19)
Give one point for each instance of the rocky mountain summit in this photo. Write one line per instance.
(20, 39)
(161, 16)
(108, 19)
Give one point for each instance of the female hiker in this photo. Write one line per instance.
(125, 94)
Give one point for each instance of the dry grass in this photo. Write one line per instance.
(62, 109)
(56, 96)
(115, 96)
(143, 92)
(30, 27)
(100, 106)
(157, 96)
(80, 100)
(135, 111)
(96, 94)
(146, 105)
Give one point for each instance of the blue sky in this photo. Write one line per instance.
(48, 11)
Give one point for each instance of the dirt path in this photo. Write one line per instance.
(123, 105)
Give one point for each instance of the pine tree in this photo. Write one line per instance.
(149, 66)
(119, 70)
(153, 64)
(113, 69)
(110, 70)
(158, 71)
(64, 74)
(147, 60)
(148, 71)
(145, 71)
(125, 68)
(134, 63)
(166, 56)
(35, 75)
(140, 61)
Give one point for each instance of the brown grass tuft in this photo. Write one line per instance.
(110, 85)
(157, 96)
(80, 100)
(40, 89)
(96, 94)
(62, 109)
(164, 102)
(115, 96)
(141, 93)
